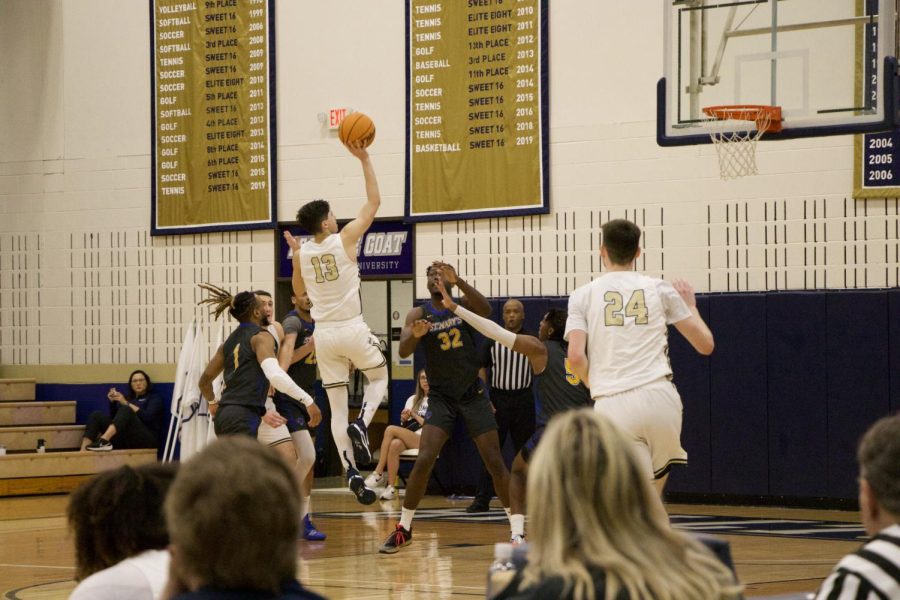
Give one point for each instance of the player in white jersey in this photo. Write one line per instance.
(618, 345)
(325, 268)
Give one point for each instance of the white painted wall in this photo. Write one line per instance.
(81, 281)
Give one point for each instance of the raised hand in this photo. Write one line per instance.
(686, 292)
(420, 327)
(292, 242)
(357, 149)
(447, 298)
(447, 272)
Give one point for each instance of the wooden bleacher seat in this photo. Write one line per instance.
(62, 467)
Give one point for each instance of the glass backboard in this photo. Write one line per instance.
(822, 61)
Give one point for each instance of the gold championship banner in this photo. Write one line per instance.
(477, 143)
(213, 115)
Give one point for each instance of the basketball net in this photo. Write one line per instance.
(735, 141)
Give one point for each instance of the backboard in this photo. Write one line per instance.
(822, 61)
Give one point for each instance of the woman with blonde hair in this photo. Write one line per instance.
(596, 531)
(398, 438)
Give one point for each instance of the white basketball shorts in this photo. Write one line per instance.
(651, 416)
(338, 346)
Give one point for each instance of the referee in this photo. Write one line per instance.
(510, 394)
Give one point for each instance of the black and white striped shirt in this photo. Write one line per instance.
(510, 371)
(870, 573)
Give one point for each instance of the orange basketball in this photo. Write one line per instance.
(357, 127)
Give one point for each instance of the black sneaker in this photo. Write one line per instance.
(359, 435)
(100, 445)
(477, 507)
(399, 537)
(358, 487)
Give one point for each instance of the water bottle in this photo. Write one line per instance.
(502, 570)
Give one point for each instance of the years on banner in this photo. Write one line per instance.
(212, 109)
(877, 170)
(476, 132)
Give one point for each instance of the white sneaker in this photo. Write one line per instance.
(389, 493)
(374, 480)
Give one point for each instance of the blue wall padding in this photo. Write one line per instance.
(894, 332)
(738, 383)
(401, 389)
(91, 396)
(798, 416)
(691, 372)
(778, 410)
(858, 379)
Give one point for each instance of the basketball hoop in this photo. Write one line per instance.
(735, 144)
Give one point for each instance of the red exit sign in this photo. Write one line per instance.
(335, 116)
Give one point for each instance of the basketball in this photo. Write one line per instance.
(357, 127)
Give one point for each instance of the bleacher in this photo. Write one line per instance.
(62, 466)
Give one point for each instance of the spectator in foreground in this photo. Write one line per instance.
(233, 517)
(873, 571)
(595, 530)
(120, 534)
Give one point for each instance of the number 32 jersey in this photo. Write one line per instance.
(332, 280)
(625, 314)
(451, 361)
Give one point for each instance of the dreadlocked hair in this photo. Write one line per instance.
(221, 300)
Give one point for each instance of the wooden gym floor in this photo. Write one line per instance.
(775, 550)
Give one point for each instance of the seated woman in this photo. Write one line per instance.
(135, 419)
(400, 438)
(594, 528)
(120, 533)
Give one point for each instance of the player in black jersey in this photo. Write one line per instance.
(297, 356)
(451, 363)
(558, 389)
(248, 359)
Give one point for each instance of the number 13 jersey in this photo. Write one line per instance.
(332, 280)
(625, 314)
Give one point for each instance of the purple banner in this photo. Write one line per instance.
(385, 251)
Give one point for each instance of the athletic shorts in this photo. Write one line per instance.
(474, 407)
(530, 446)
(237, 419)
(651, 416)
(337, 347)
(273, 436)
(296, 414)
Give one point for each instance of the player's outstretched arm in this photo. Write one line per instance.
(297, 284)
(264, 346)
(413, 330)
(354, 230)
(694, 328)
(577, 355)
(216, 365)
(472, 298)
(533, 348)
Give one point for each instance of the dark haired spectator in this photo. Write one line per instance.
(120, 534)
(233, 517)
(873, 571)
(135, 419)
